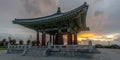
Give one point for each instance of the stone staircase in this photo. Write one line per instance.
(35, 52)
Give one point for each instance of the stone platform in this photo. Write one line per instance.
(61, 51)
(106, 54)
(53, 50)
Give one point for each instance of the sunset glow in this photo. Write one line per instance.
(96, 37)
(84, 36)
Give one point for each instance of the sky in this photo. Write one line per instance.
(102, 17)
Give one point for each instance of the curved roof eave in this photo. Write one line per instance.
(48, 18)
(36, 20)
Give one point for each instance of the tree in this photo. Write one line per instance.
(115, 46)
(21, 42)
(106, 46)
(98, 46)
(28, 42)
(0, 43)
(3, 42)
(33, 43)
(13, 42)
(7, 43)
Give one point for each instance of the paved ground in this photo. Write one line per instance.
(106, 54)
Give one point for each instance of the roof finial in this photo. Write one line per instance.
(59, 10)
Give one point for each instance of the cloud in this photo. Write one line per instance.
(98, 37)
(102, 17)
(97, 13)
(37, 8)
(97, 21)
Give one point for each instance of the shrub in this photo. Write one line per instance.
(98, 46)
(115, 46)
(106, 46)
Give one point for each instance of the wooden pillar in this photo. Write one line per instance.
(60, 39)
(75, 39)
(56, 39)
(43, 39)
(69, 38)
(50, 38)
(37, 38)
(53, 39)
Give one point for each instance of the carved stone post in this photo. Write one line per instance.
(8, 48)
(90, 46)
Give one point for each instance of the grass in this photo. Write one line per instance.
(2, 48)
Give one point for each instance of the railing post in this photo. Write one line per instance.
(90, 46)
(30, 45)
(8, 48)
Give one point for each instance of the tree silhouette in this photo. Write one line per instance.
(28, 42)
(33, 43)
(21, 42)
(0, 43)
(98, 46)
(3, 42)
(13, 42)
(115, 46)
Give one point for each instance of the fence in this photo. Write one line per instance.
(17, 48)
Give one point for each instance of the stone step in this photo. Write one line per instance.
(35, 52)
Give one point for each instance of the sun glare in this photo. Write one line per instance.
(95, 37)
(85, 36)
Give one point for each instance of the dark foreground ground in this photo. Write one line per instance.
(106, 54)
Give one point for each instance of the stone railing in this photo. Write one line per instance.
(69, 47)
(70, 50)
(17, 48)
(88, 47)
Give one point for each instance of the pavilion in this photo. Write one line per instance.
(58, 24)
